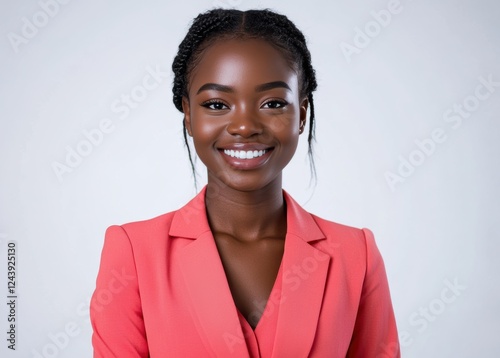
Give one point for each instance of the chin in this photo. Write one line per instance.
(247, 181)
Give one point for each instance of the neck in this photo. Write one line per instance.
(246, 215)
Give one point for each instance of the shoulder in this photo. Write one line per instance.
(139, 232)
(342, 233)
(155, 225)
(137, 243)
(352, 243)
(333, 228)
(152, 236)
(334, 238)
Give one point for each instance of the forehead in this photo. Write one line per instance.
(254, 60)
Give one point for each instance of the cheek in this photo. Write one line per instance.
(290, 144)
(285, 129)
(205, 130)
(288, 134)
(287, 124)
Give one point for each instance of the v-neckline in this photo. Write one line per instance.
(266, 307)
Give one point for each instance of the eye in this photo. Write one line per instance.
(214, 105)
(274, 104)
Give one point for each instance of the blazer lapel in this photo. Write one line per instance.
(305, 271)
(211, 302)
(304, 277)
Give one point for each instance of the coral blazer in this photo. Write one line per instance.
(162, 291)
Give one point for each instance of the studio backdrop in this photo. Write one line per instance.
(407, 111)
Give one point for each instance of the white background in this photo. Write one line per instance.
(434, 228)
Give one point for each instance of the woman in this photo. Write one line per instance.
(242, 270)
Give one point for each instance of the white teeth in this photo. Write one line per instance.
(243, 154)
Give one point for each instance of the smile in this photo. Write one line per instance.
(245, 154)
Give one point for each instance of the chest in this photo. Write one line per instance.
(251, 270)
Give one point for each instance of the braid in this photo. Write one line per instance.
(202, 26)
(270, 26)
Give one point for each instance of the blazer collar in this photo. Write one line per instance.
(191, 220)
(211, 303)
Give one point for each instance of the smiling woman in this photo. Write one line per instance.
(226, 274)
(238, 93)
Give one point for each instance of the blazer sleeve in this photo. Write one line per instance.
(115, 306)
(375, 332)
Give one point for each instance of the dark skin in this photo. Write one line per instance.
(244, 96)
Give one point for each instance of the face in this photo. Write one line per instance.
(244, 113)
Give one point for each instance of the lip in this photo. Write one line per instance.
(246, 164)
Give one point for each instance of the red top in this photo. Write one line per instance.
(162, 291)
(260, 342)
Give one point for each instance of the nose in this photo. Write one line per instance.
(244, 123)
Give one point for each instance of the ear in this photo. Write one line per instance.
(187, 115)
(303, 114)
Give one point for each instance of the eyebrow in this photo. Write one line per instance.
(215, 87)
(272, 85)
(260, 88)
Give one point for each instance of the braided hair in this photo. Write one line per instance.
(267, 25)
